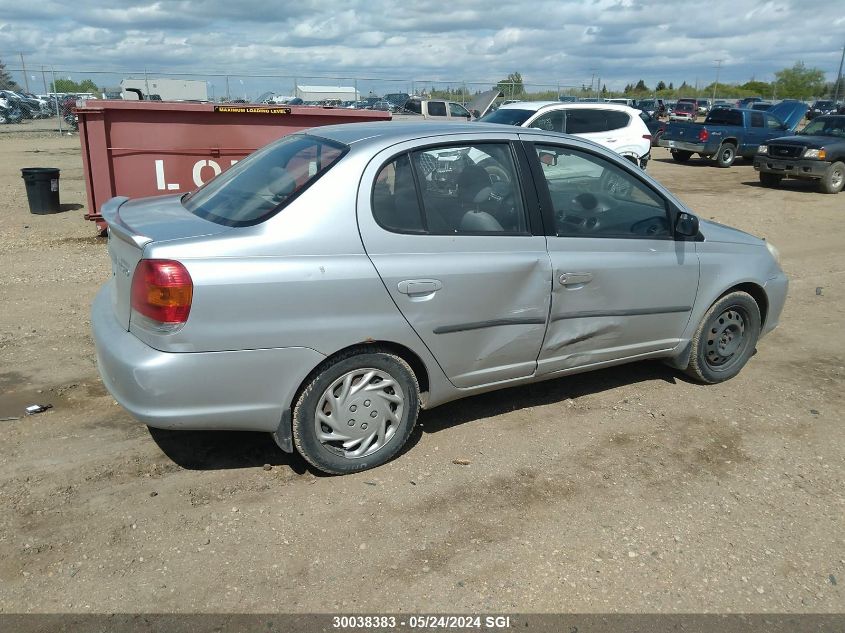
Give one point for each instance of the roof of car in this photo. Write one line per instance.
(539, 105)
(386, 132)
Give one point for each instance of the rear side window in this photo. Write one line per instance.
(436, 108)
(756, 119)
(263, 183)
(587, 121)
(451, 190)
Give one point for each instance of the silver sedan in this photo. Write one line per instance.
(335, 281)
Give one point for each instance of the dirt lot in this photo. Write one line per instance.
(628, 489)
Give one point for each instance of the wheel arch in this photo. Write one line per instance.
(372, 346)
(757, 292)
(283, 435)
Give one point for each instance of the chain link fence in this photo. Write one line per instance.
(44, 79)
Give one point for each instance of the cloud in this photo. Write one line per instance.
(548, 41)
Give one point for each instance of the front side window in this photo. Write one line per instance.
(458, 111)
(263, 183)
(453, 190)
(554, 121)
(772, 123)
(593, 197)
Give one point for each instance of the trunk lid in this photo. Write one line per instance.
(790, 112)
(135, 223)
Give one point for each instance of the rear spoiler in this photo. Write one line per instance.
(111, 215)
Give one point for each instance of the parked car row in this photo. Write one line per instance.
(766, 134)
(16, 106)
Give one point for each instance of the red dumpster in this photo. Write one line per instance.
(148, 148)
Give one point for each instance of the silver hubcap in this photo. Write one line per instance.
(836, 178)
(726, 338)
(359, 412)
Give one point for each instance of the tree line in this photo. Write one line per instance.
(796, 82)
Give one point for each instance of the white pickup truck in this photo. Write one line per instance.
(434, 109)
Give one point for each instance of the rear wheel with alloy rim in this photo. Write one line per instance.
(356, 412)
(725, 338)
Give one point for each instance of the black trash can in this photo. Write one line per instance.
(42, 189)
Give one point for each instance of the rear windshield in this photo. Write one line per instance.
(507, 116)
(263, 183)
(684, 106)
(724, 117)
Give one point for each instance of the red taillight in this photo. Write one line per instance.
(703, 135)
(162, 290)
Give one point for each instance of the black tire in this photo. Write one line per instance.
(680, 156)
(725, 339)
(770, 180)
(833, 178)
(726, 155)
(330, 456)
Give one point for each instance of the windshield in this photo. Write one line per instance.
(684, 106)
(826, 126)
(824, 105)
(263, 183)
(507, 116)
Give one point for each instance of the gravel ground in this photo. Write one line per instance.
(624, 490)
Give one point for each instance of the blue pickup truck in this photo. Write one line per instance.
(730, 132)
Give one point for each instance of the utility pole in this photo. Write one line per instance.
(25, 76)
(715, 85)
(44, 79)
(839, 76)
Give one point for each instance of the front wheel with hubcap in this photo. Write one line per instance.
(833, 178)
(725, 338)
(726, 155)
(356, 412)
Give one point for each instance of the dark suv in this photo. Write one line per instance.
(816, 153)
(819, 108)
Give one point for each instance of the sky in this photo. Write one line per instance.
(558, 42)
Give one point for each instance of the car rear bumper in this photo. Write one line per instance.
(695, 148)
(244, 390)
(795, 167)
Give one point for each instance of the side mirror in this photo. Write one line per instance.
(686, 225)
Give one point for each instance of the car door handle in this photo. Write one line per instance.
(571, 279)
(413, 287)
